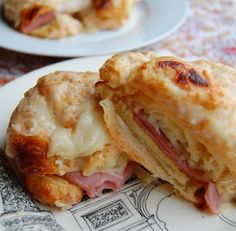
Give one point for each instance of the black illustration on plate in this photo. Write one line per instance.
(126, 210)
(17, 209)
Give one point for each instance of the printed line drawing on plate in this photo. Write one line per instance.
(17, 209)
(135, 207)
(123, 210)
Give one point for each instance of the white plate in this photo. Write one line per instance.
(133, 208)
(152, 21)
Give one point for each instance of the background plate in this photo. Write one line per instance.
(151, 21)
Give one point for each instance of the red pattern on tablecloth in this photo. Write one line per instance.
(209, 33)
(14, 64)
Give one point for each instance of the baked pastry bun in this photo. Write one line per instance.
(54, 19)
(58, 144)
(177, 119)
(45, 18)
(108, 14)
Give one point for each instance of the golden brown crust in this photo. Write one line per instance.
(64, 90)
(53, 190)
(31, 153)
(192, 102)
(120, 68)
(194, 83)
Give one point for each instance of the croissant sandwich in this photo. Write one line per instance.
(44, 18)
(58, 143)
(177, 119)
(55, 19)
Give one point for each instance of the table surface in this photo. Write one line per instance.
(208, 32)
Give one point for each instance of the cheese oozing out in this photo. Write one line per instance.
(75, 5)
(88, 137)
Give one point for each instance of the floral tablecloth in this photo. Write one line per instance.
(209, 32)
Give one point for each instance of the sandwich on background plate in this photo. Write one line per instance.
(58, 144)
(54, 19)
(44, 18)
(177, 119)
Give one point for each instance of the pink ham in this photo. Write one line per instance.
(97, 182)
(211, 196)
(32, 20)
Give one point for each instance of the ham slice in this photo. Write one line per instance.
(34, 17)
(211, 196)
(97, 182)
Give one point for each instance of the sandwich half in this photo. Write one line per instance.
(45, 18)
(106, 14)
(54, 19)
(58, 144)
(177, 119)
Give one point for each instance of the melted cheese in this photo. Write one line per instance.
(88, 137)
(61, 143)
(75, 5)
(33, 116)
(90, 134)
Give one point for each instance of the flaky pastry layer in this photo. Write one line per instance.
(192, 104)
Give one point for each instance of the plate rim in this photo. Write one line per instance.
(49, 66)
(140, 45)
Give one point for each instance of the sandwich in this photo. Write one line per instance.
(58, 144)
(106, 14)
(54, 19)
(44, 18)
(177, 119)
